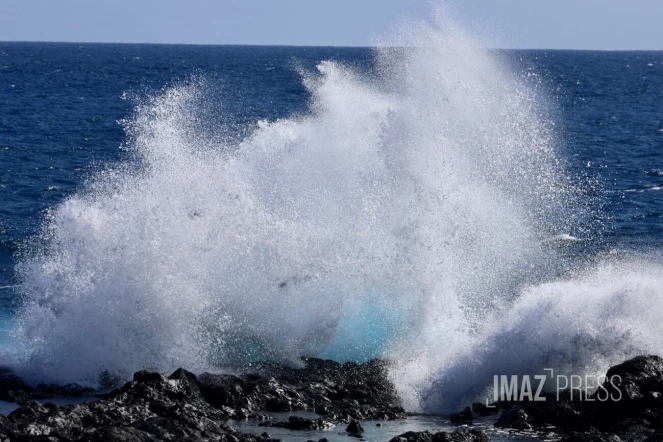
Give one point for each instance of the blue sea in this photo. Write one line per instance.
(171, 205)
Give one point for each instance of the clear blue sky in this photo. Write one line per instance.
(570, 24)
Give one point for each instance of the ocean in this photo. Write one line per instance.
(463, 212)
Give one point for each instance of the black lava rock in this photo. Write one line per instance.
(456, 436)
(152, 407)
(590, 436)
(301, 424)
(515, 418)
(183, 406)
(462, 418)
(12, 388)
(355, 428)
(627, 406)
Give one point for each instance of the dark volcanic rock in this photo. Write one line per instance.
(355, 428)
(414, 436)
(641, 370)
(340, 392)
(515, 418)
(12, 388)
(590, 436)
(560, 412)
(656, 437)
(120, 434)
(464, 417)
(628, 406)
(457, 436)
(299, 423)
(153, 407)
(637, 377)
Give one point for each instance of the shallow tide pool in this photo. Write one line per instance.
(385, 432)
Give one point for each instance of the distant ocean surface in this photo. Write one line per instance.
(71, 113)
(61, 104)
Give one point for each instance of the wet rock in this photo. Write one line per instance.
(414, 436)
(641, 370)
(120, 434)
(355, 428)
(340, 392)
(462, 418)
(634, 409)
(557, 411)
(259, 417)
(628, 406)
(13, 389)
(631, 384)
(184, 406)
(466, 436)
(223, 390)
(297, 423)
(515, 418)
(151, 407)
(656, 437)
(427, 436)
(631, 429)
(590, 436)
(250, 392)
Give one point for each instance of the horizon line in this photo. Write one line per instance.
(307, 46)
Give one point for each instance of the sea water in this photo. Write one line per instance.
(462, 212)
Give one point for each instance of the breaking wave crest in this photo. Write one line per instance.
(407, 215)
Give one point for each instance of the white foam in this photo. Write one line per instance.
(413, 207)
(580, 325)
(564, 237)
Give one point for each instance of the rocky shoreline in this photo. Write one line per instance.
(186, 407)
(628, 407)
(183, 406)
